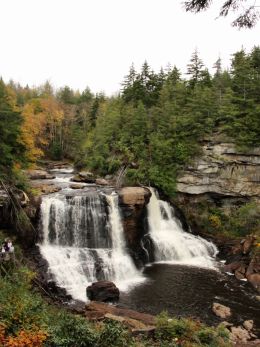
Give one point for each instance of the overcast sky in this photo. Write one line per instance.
(93, 42)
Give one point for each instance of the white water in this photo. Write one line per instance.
(82, 246)
(172, 244)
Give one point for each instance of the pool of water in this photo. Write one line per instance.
(186, 291)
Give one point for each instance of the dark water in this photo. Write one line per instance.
(190, 292)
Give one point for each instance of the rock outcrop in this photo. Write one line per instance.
(222, 170)
(221, 311)
(105, 291)
(133, 201)
(134, 319)
(84, 177)
(243, 262)
(39, 175)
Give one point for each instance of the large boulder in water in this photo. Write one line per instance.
(103, 291)
(84, 177)
(221, 310)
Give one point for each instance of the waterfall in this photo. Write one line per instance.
(83, 242)
(171, 242)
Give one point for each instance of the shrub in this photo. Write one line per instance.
(68, 330)
(114, 334)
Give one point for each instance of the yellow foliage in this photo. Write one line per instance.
(29, 338)
(215, 221)
(42, 121)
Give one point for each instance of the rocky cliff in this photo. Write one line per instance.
(220, 197)
(222, 170)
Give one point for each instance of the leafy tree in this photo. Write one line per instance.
(11, 150)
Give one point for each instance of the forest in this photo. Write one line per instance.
(150, 130)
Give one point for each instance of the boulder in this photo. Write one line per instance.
(221, 310)
(134, 195)
(49, 188)
(132, 202)
(77, 186)
(102, 182)
(103, 291)
(84, 177)
(254, 266)
(254, 279)
(232, 267)
(248, 244)
(239, 334)
(240, 272)
(248, 324)
(39, 175)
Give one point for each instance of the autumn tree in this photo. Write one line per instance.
(11, 150)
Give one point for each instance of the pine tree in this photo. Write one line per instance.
(194, 69)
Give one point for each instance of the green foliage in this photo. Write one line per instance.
(186, 332)
(11, 151)
(69, 330)
(114, 334)
(150, 132)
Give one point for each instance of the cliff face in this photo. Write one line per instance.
(220, 197)
(224, 171)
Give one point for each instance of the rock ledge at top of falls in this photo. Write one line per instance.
(222, 170)
(134, 195)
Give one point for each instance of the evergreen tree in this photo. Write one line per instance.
(194, 69)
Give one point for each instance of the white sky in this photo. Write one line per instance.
(93, 42)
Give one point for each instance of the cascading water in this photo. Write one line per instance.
(171, 242)
(83, 242)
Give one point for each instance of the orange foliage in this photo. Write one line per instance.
(23, 338)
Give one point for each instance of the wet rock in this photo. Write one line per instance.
(232, 267)
(248, 325)
(77, 186)
(254, 279)
(254, 266)
(105, 291)
(102, 182)
(240, 272)
(239, 334)
(248, 244)
(257, 297)
(100, 309)
(132, 202)
(221, 310)
(84, 177)
(39, 175)
(226, 324)
(49, 188)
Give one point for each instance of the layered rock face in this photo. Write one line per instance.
(220, 182)
(132, 201)
(222, 170)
